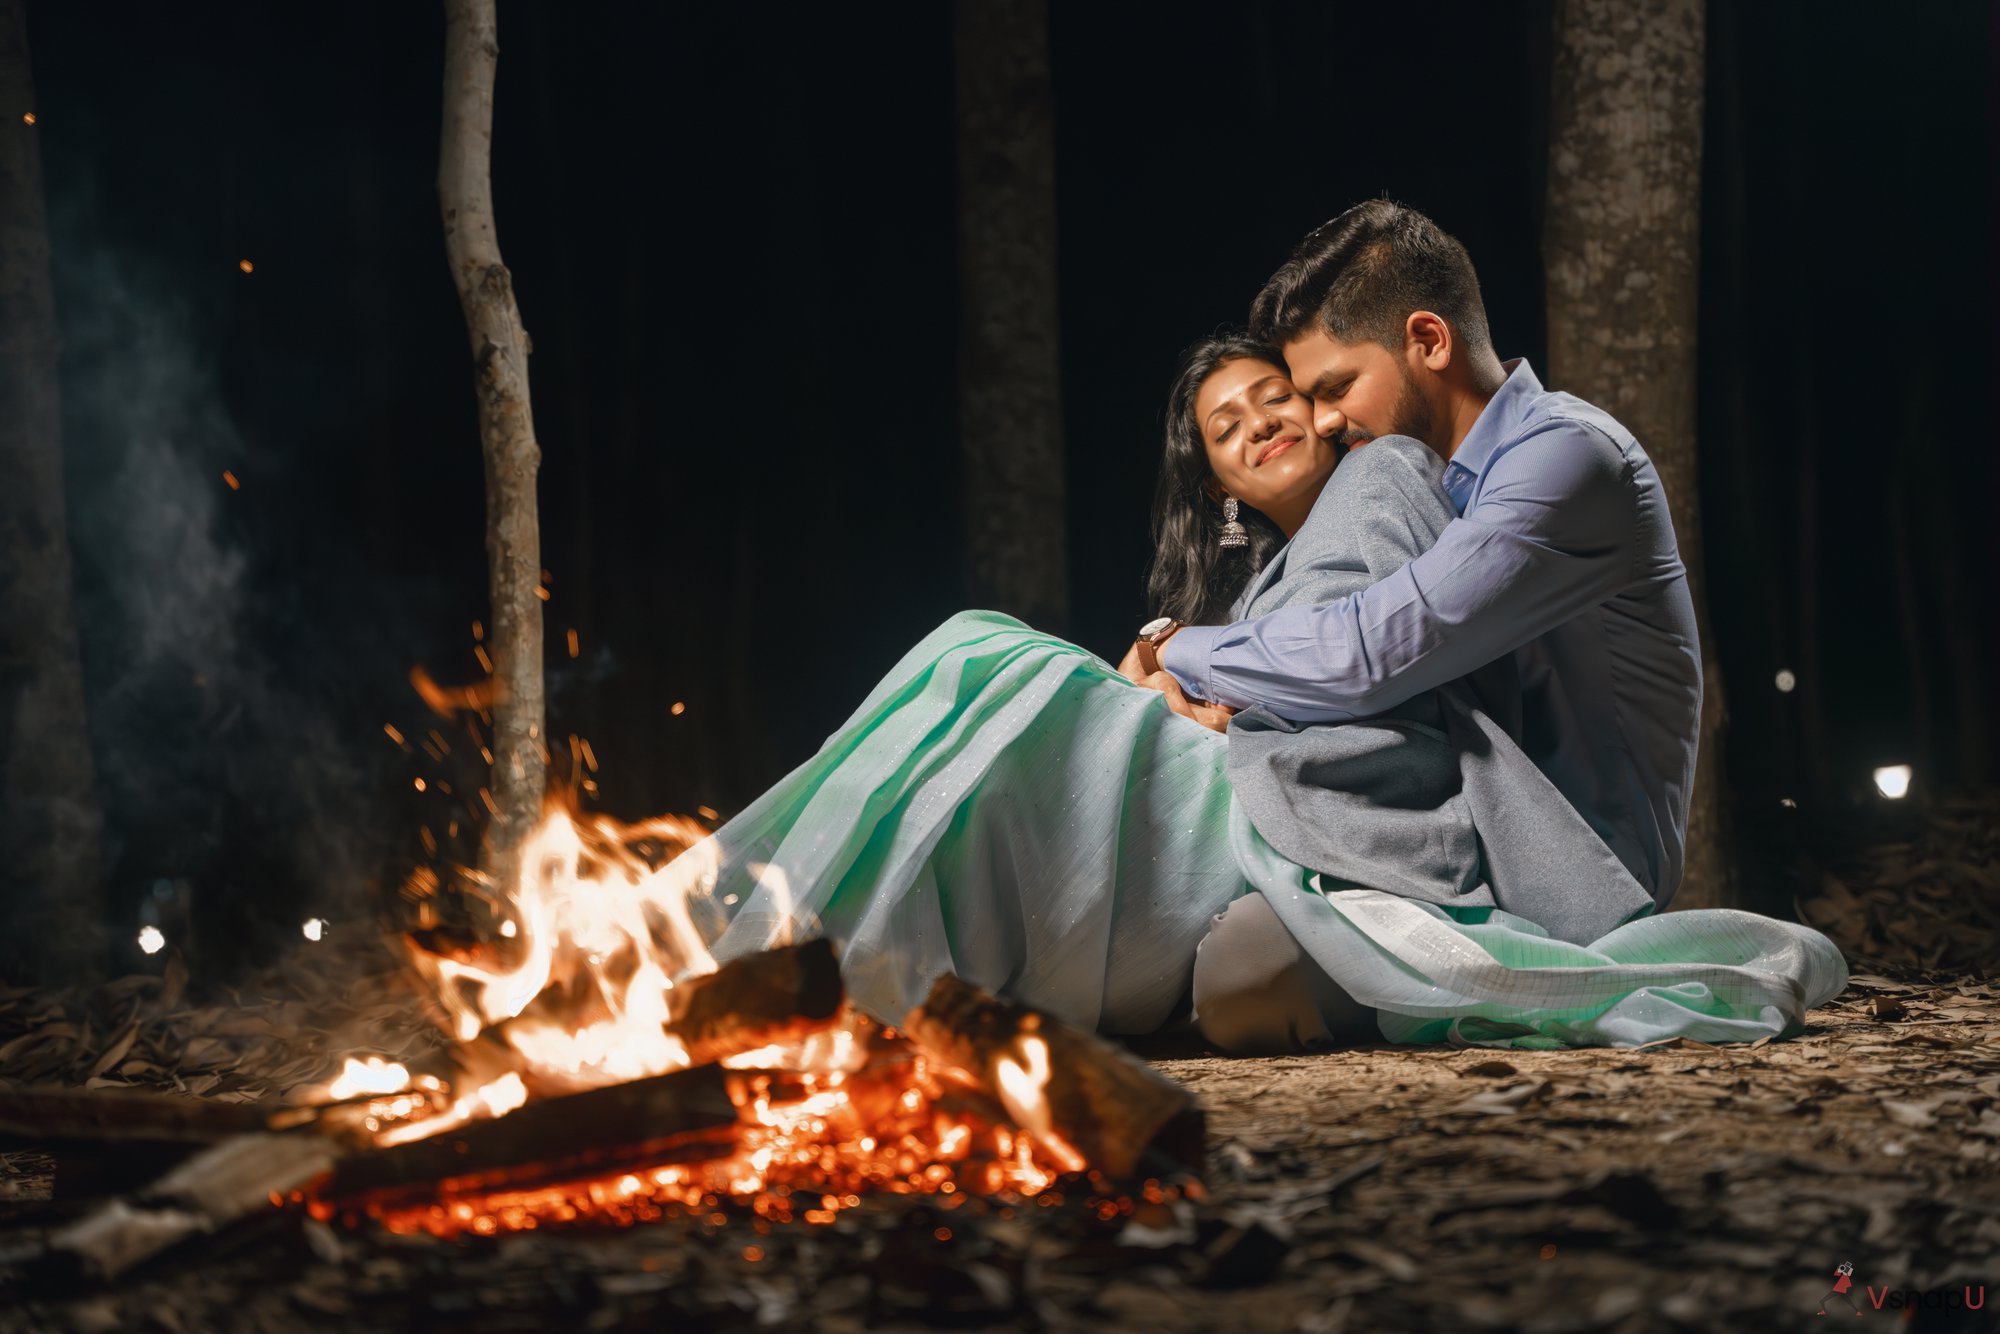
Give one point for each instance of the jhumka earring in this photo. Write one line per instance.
(1234, 534)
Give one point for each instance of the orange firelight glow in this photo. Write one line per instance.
(569, 988)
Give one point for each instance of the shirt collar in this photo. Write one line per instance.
(1501, 418)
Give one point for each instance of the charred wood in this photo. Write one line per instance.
(774, 996)
(684, 1115)
(1123, 1117)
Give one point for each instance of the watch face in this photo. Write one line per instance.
(1155, 625)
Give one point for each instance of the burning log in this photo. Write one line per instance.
(1069, 1088)
(779, 995)
(684, 1115)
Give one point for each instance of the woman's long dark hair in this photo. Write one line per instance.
(1193, 578)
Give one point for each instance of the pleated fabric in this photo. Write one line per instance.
(1006, 807)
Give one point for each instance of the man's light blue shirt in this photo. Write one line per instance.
(1564, 555)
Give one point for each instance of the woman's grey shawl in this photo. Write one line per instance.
(1434, 799)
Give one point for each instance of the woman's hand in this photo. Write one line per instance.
(1128, 666)
(1215, 717)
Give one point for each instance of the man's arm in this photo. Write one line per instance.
(1549, 537)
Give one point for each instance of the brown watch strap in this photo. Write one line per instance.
(1149, 650)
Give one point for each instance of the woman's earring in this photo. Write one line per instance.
(1234, 534)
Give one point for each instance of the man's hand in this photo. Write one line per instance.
(1215, 717)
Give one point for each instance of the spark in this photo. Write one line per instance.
(485, 662)
(1893, 781)
(420, 784)
(573, 646)
(542, 592)
(679, 708)
(27, 118)
(314, 928)
(706, 812)
(394, 735)
(1787, 681)
(245, 265)
(509, 930)
(151, 940)
(478, 630)
(230, 478)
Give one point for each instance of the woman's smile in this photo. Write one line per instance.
(1275, 448)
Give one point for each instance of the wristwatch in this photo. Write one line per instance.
(1151, 635)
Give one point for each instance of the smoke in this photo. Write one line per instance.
(230, 767)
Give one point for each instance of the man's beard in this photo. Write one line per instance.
(1411, 416)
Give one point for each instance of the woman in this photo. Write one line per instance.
(1009, 807)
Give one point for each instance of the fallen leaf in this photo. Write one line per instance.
(116, 1052)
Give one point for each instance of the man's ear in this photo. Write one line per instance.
(1428, 340)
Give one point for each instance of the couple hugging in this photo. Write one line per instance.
(1405, 756)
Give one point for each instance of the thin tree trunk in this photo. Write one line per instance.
(506, 424)
(50, 824)
(1621, 243)
(1010, 385)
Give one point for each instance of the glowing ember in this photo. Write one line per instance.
(808, 1145)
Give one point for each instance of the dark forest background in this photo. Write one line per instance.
(732, 237)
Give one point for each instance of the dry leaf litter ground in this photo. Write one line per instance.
(1676, 1187)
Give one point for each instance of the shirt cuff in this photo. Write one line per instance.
(1185, 657)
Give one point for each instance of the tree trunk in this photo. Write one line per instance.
(50, 823)
(1621, 243)
(1010, 386)
(506, 425)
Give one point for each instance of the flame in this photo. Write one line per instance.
(1024, 1083)
(372, 1075)
(598, 936)
(1023, 1087)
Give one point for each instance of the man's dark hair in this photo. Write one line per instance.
(1359, 276)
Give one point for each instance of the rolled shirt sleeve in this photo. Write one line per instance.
(1548, 534)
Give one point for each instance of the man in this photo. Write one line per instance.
(1563, 555)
